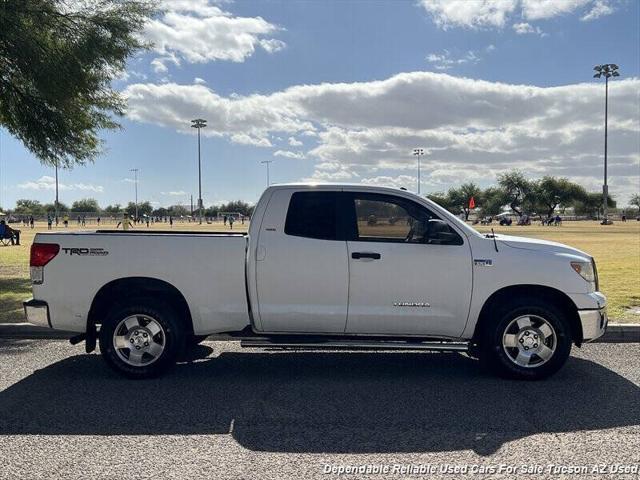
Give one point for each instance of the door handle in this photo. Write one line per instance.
(359, 255)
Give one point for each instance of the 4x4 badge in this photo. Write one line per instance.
(483, 262)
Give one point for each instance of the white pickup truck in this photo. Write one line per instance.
(322, 266)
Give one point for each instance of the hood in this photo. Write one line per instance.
(539, 245)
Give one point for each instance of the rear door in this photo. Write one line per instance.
(403, 282)
(302, 276)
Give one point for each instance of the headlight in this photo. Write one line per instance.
(586, 271)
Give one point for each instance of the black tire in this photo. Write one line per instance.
(499, 356)
(171, 336)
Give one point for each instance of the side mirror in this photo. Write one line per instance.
(439, 233)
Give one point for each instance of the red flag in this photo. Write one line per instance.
(472, 203)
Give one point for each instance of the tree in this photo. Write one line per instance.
(212, 211)
(237, 206)
(516, 188)
(113, 209)
(635, 201)
(591, 203)
(493, 200)
(29, 207)
(459, 197)
(144, 208)
(88, 205)
(50, 208)
(57, 62)
(441, 199)
(553, 192)
(178, 211)
(160, 212)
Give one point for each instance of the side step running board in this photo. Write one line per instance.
(355, 345)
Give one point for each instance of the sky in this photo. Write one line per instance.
(343, 91)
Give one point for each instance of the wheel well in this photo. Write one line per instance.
(550, 294)
(138, 286)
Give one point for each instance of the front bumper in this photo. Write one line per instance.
(594, 323)
(37, 312)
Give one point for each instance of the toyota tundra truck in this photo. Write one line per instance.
(321, 267)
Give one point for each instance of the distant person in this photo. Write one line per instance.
(98, 221)
(231, 222)
(126, 222)
(7, 232)
(624, 217)
(84, 220)
(242, 219)
(170, 221)
(147, 219)
(224, 219)
(49, 222)
(65, 221)
(558, 220)
(31, 221)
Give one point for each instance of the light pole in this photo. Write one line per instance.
(199, 123)
(56, 205)
(418, 152)
(606, 70)
(267, 162)
(135, 182)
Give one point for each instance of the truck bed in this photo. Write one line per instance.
(169, 232)
(208, 268)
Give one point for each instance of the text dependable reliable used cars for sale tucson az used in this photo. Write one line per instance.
(322, 266)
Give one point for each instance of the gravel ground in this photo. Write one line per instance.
(237, 413)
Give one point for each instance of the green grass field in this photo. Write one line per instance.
(616, 249)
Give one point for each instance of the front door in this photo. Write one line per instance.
(402, 281)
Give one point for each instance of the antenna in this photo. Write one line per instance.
(495, 244)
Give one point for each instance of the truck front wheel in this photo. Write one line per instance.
(141, 339)
(529, 340)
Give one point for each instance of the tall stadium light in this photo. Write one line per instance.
(267, 162)
(56, 205)
(606, 70)
(418, 152)
(135, 182)
(199, 123)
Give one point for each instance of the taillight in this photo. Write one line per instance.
(43, 253)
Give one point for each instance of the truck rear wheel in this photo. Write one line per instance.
(141, 339)
(530, 340)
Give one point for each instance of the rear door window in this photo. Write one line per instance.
(313, 215)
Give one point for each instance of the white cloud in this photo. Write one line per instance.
(445, 61)
(497, 13)
(470, 14)
(201, 32)
(543, 9)
(199, 81)
(289, 154)
(49, 183)
(272, 45)
(293, 142)
(470, 129)
(524, 28)
(175, 193)
(600, 9)
(244, 139)
(158, 66)
(406, 181)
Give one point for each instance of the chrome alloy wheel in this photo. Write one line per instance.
(529, 341)
(139, 340)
